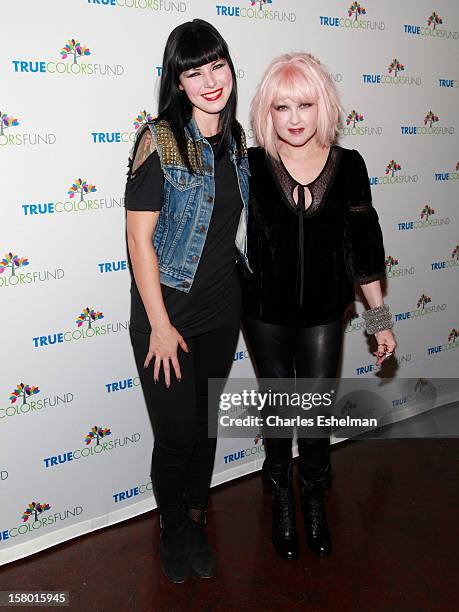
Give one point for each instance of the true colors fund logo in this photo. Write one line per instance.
(447, 264)
(354, 127)
(393, 175)
(73, 62)
(166, 6)
(429, 128)
(394, 76)
(372, 368)
(427, 218)
(142, 489)
(422, 309)
(23, 400)
(432, 30)
(87, 327)
(450, 83)
(12, 274)
(106, 267)
(123, 385)
(453, 342)
(255, 9)
(95, 444)
(116, 137)
(355, 20)
(80, 199)
(448, 176)
(245, 453)
(10, 136)
(37, 516)
(393, 271)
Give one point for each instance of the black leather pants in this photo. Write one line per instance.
(280, 351)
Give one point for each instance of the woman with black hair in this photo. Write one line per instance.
(186, 197)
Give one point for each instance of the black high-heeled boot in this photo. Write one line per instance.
(314, 516)
(174, 548)
(278, 481)
(203, 560)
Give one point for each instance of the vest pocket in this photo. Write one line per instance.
(180, 178)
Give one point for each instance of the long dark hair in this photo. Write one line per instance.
(190, 45)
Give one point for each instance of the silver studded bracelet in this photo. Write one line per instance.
(377, 319)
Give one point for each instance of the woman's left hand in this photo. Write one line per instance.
(386, 345)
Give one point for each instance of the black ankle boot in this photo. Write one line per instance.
(315, 518)
(174, 549)
(278, 480)
(203, 561)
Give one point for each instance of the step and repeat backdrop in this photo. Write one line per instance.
(79, 78)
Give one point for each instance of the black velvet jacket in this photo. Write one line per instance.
(305, 262)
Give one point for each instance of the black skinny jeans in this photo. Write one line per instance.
(183, 454)
(281, 351)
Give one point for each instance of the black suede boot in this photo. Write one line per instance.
(314, 515)
(278, 480)
(202, 558)
(174, 549)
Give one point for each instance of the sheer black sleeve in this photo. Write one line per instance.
(145, 181)
(363, 236)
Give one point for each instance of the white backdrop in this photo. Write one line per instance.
(68, 118)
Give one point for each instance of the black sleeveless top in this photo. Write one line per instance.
(305, 261)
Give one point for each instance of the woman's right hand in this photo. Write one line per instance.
(164, 342)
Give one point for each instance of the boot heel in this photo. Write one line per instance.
(315, 522)
(284, 532)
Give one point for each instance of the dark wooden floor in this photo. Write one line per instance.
(393, 509)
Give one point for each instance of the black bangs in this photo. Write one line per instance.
(191, 45)
(198, 47)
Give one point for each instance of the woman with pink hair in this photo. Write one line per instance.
(313, 233)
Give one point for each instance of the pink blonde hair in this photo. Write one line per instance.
(298, 76)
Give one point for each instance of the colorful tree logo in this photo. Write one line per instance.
(430, 118)
(454, 334)
(356, 9)
(455, 253)
(74, 48)
(260, 3)
(393, 167)
(97, 433)
(257, 438)
(395, 66)
(34, 509)
(82, 187)
(390, 262)
(88, 315)
(142, 119)
(420, 383)
(23, 391)
(354, 117)
(434, 20)
(6, 122)
(11, 260)
(426, 212)
(423, 300)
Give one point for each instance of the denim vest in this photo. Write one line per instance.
(188, 203)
